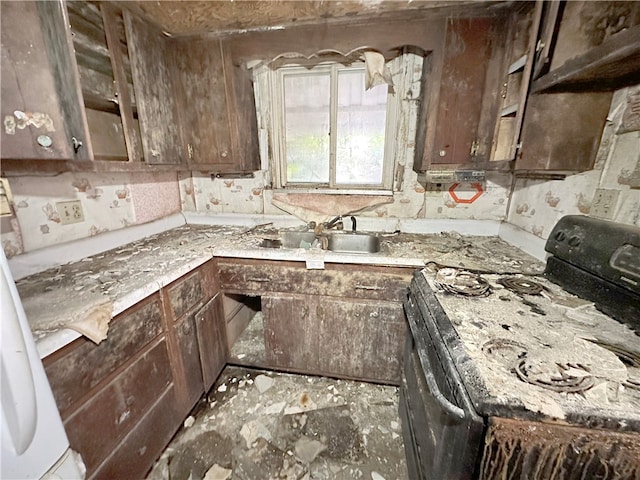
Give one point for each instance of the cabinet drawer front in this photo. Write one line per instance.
(185, 294)
(116, 409)
(144, 444)
(338, 283)
(78, 368)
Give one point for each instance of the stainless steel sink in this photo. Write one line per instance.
(354, 243)
(297, 239)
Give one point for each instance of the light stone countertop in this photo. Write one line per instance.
(130, 273)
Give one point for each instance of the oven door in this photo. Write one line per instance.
(442, 432)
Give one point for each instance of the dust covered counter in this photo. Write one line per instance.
(85, 295)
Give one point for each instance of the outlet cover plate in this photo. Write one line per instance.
(604, 203)
(70, 212)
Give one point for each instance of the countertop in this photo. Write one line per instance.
(130, 273)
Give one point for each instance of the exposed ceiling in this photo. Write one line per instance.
(231, 16)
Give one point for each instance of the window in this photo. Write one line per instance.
(329, 132)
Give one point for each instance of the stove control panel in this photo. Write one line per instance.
(606, 249)
(626, 259)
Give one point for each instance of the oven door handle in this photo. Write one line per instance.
(445, 404)
(451, 409)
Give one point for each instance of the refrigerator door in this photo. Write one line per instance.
(33, 437)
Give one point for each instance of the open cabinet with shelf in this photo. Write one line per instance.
(104, 70)
(523, 30)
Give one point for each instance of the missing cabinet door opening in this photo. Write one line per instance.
(245, 330)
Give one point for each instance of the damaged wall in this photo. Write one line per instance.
(536, 205)
(109, 202)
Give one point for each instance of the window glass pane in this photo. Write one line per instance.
(360, 130)
(306, 109)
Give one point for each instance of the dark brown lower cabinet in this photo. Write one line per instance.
(99, 426)
(121, 401)
(107, 393)
(342, 337)
(144, 443)
(212, 340)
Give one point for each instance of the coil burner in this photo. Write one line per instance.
(521, 285)
(463, 283)
(567, 378)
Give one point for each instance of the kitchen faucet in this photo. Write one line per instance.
(335, 222)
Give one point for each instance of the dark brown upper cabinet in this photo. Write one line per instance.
(91, 86)
(585, 51)
(41, 108)
(217, 107)
(589, 47)
(461, 81)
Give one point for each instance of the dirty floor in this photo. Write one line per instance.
(257, 424)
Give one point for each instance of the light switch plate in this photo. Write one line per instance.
(604, 203)
(70, 212)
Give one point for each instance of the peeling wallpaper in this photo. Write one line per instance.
(536, 205)
(109, 202)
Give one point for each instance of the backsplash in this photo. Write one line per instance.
(109, 202)
(536, 205)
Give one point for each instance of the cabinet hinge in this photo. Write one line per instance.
(475, 146)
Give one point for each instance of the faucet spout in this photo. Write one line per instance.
(353, 224)
(333, 222)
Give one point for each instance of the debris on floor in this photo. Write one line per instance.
(258, 424)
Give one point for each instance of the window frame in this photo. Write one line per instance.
(277, 77)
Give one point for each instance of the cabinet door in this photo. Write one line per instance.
(41, 107)
(291, 331)
(361, 339)
(466, 55)
(561, 131)
(203, 97)
(384, 338)
(242, 113)
(153, 77)
(212, 340)
(190, 369)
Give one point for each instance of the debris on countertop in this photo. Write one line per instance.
(125, 275)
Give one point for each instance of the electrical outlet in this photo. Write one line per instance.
(70, 212)
(604, 203)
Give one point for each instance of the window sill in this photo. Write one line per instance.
(328, 191)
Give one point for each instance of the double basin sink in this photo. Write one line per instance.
(342, 242)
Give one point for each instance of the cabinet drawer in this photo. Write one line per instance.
(76, 369)
(184, 294)
(145, 442)
(116, 409)
(353, 281)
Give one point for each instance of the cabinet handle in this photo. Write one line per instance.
(76, 144)
(259, 280)
(368, 287)
(305, 311)
(374, 315)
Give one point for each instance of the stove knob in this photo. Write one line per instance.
(560, 236)
(575, 241)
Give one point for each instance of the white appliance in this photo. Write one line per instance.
(34, 443)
